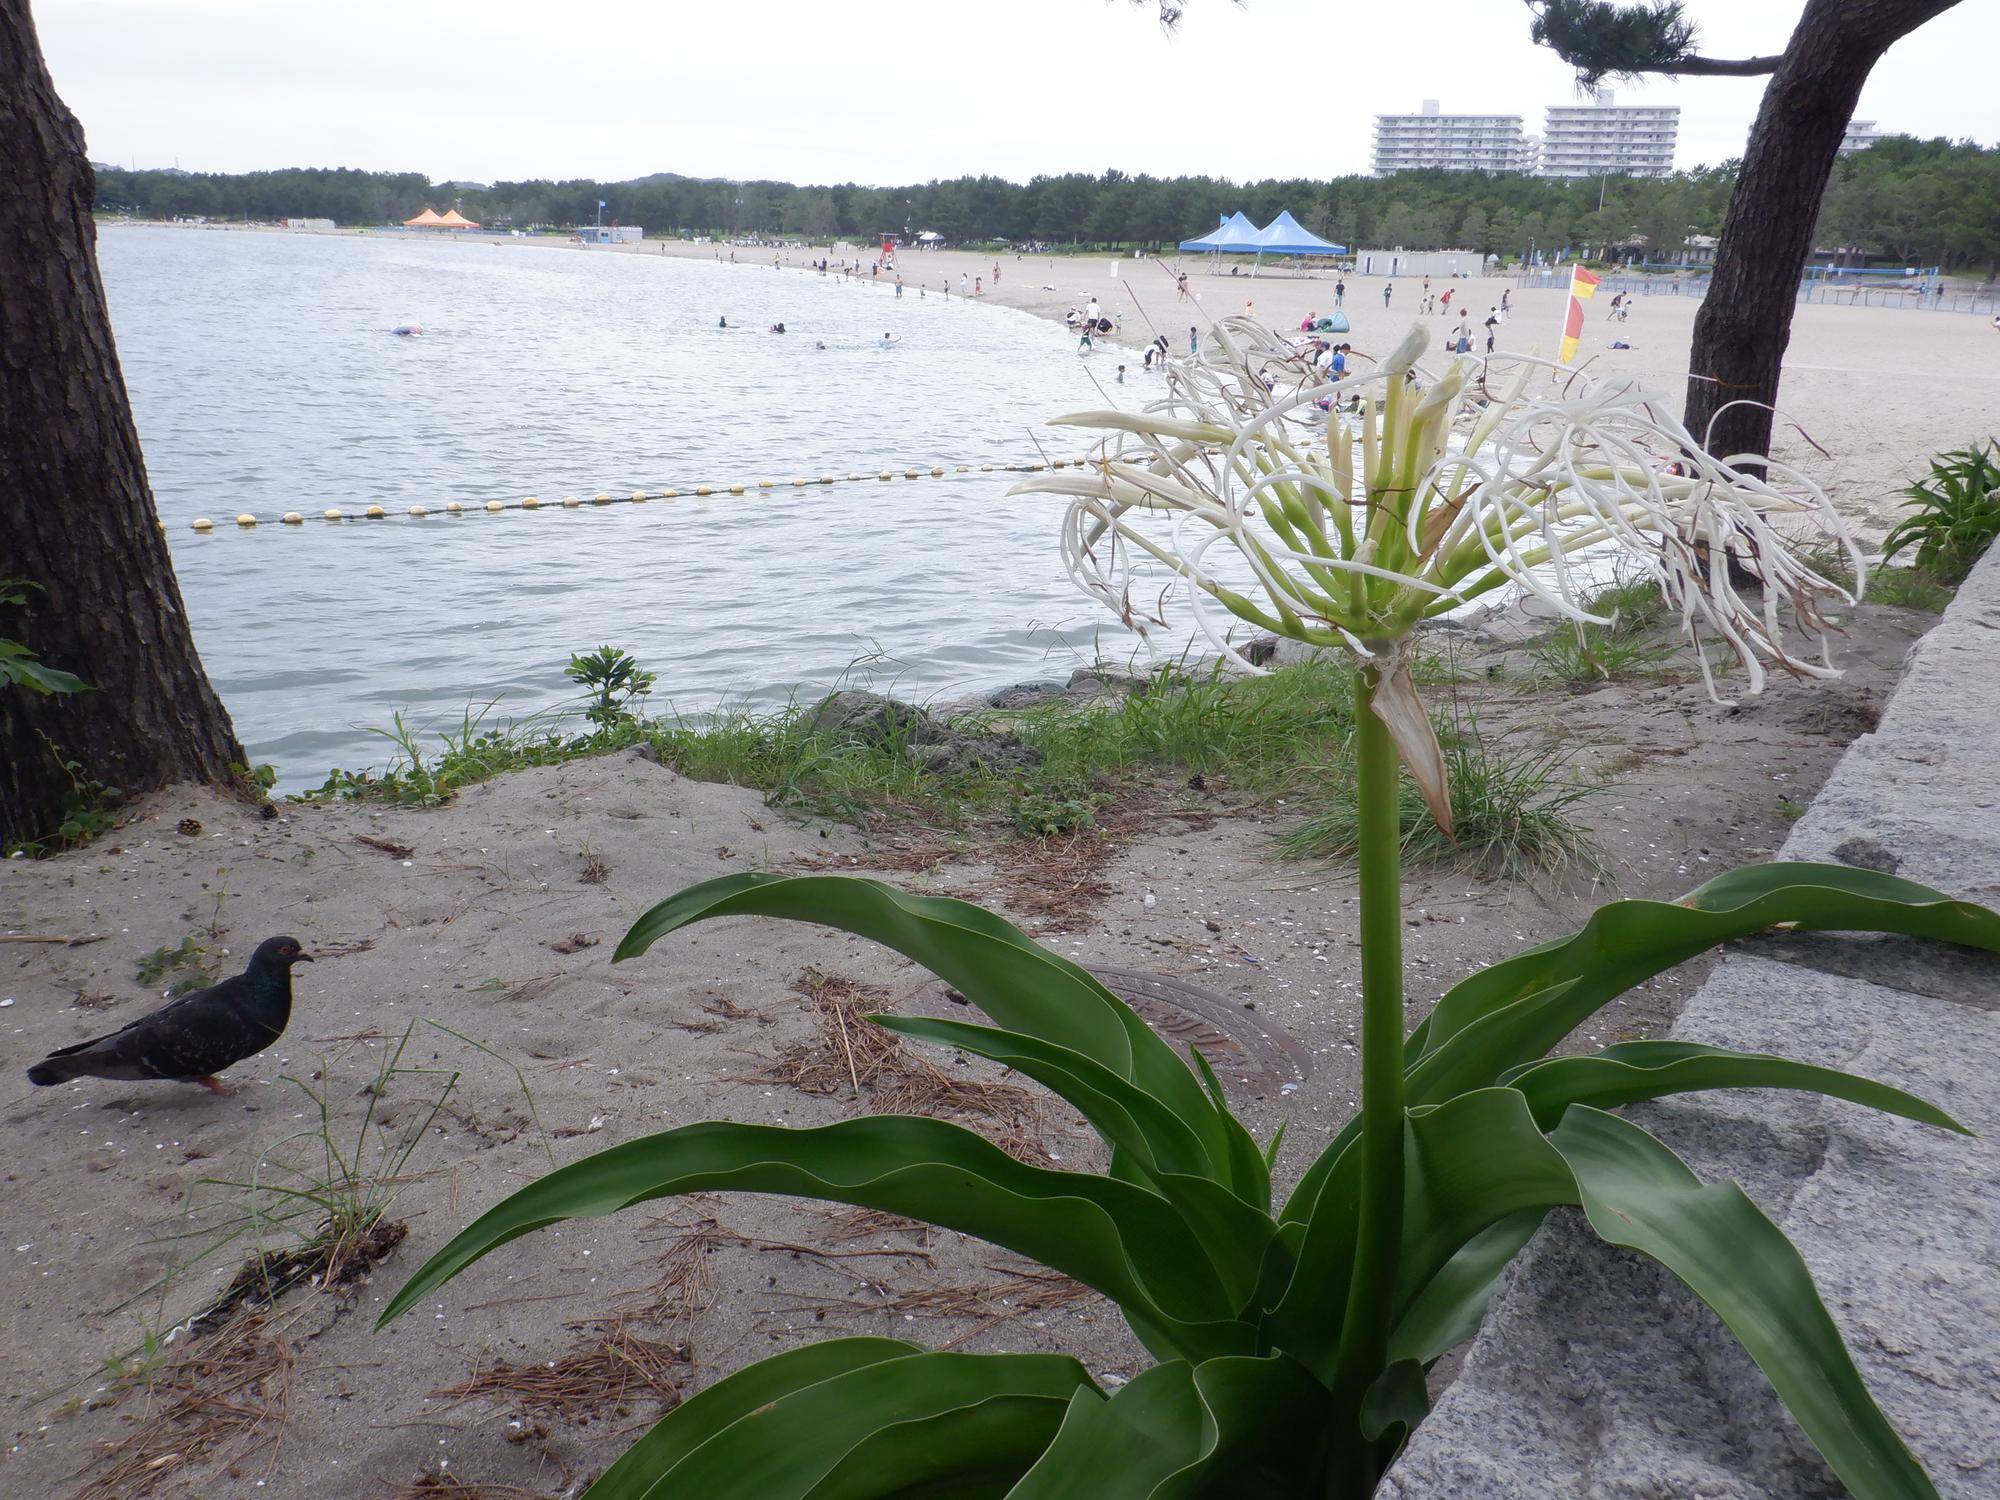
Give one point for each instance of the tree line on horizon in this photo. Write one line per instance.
(1934, 202)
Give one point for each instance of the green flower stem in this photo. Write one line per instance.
(1364, 1335)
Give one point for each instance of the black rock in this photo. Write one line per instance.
(191, 1039)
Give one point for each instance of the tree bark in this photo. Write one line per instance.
(1745, 321)
(76, 511)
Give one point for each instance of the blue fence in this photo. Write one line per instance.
(1920, 294)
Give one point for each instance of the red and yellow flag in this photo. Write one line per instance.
(1582, 287)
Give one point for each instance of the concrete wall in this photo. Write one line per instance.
(1597, 1374)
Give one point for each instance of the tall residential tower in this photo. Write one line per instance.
(1604, 138)
(1455, 143)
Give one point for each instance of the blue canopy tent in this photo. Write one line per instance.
(1284, 235)
(1234, 233)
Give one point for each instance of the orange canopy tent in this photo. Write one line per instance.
(428, 219)
(453, 219)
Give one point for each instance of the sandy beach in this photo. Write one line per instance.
(1869, 394)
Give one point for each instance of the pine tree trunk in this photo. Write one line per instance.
(76, 512)
(1745, 321)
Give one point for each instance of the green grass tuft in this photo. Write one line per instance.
(1513, 809)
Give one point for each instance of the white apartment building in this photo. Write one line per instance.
(1455, 143)
(1604, 137)
(1861, 134)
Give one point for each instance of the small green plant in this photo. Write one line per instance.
(20, 666)
(314, 1205)
(190, 964)
(1579, 654)
(1053, 814)
(1909, 588)
(1791, 809)
(615, 680)
(257, 780)
(1512, 811)
(1954, 513)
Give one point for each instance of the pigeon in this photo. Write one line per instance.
(191, 1039)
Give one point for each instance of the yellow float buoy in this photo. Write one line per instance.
(964, 469)
(246, 519)
(202, 523)
(704, 489)
(670, 494)
(1061, 463)
(937, 473)
(799, 484)
(570, 502)
(496, 504)
(736, 489)
(638, 497)
(292, 518)
(852, 477)
(331, 513)
(763, 484)
(376, 513)
(529, 502)
(418, 511)
(826, 478)
(909, 473)
(886, 475)
(452, 507)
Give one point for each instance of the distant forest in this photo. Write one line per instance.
(1931, 202)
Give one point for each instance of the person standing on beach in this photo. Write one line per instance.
(1445, 302)
(1492, 326)
(1249, 308)
(964, 285)
(1121, 374)
(899, 283)
(1339, 294)
(1386, 291)
(996, 273)
(1194, 340)
(979, 286)
(1180, 287)
(1506, 303)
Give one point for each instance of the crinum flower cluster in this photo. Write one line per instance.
(1363, 506)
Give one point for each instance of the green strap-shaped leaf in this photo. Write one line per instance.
(1229, 1426)
(1631, 1071)
(1511, 1013)
(972, 1451)
(1125, 1115)
(788, 1447)
(1639, 1194)
(1448, 1311)
(1627, 941)
(1016, 981)
(708, 1411)
(1468, 1163)
(1250, 1167)
(1122, 1240)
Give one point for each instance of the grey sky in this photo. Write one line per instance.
(819, 90)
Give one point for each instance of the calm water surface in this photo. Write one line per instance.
(265, 379)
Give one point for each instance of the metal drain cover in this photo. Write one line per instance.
(1246, 1050)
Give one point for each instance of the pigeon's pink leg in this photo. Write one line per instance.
(215, 1086)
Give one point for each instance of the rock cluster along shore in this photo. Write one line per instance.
(1598, 1374)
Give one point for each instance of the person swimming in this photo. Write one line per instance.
(777, 328)
(722, 322)
(407, 330)
(888, 339)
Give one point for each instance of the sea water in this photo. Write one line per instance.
(265, 378)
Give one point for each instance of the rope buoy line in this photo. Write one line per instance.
(334, 514)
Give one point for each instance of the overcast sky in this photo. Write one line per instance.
(824, 91)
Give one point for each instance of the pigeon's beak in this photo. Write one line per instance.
(305, 958)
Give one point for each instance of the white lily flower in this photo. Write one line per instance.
(1436, 488)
